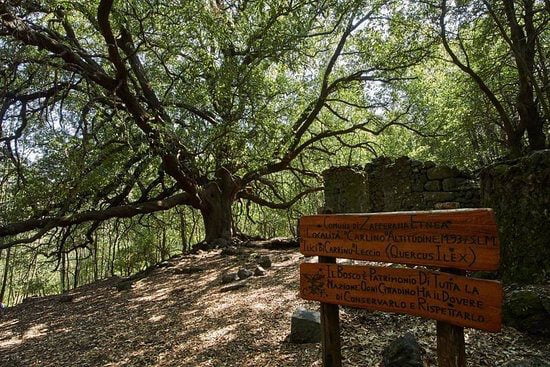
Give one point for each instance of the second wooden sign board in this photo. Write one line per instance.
(455, 299)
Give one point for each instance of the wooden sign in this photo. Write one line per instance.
(455, 299)
(462, 239)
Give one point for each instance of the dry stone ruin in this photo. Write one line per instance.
(518, 191)
(401, 184)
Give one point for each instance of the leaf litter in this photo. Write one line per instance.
(178, 317)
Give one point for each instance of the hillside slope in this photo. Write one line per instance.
(177, 316)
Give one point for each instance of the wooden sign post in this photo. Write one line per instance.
(330, 326)
(454, 240)
(451, 350)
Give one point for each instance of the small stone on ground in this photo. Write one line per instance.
(244, 273)
(403, 352)
(264, 261)
(259, 271)
(229, 277)
(305, 327)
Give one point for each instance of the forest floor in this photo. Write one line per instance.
(174, 319)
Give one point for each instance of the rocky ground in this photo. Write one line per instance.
(181, 315)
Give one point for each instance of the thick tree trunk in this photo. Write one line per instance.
(523, 38)
(217, 198)
(514, 143)
(531, 118)
(218, 220)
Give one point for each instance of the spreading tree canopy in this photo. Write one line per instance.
(112, 109)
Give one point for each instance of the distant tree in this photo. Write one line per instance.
(119, 110)
(5, 275)
(504, 48)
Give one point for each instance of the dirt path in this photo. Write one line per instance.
(170, 319)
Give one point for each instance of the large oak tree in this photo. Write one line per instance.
(115, 109)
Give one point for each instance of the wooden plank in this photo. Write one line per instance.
(330, 328)
(463, 238)
(455, 299)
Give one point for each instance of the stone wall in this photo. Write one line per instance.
(401, 184)
(346, 190)
(519, 192)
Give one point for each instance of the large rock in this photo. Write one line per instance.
(403, 352)
(440, 172)
(305, 327)
(432, 186)
(528, 310)
(454, 184)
